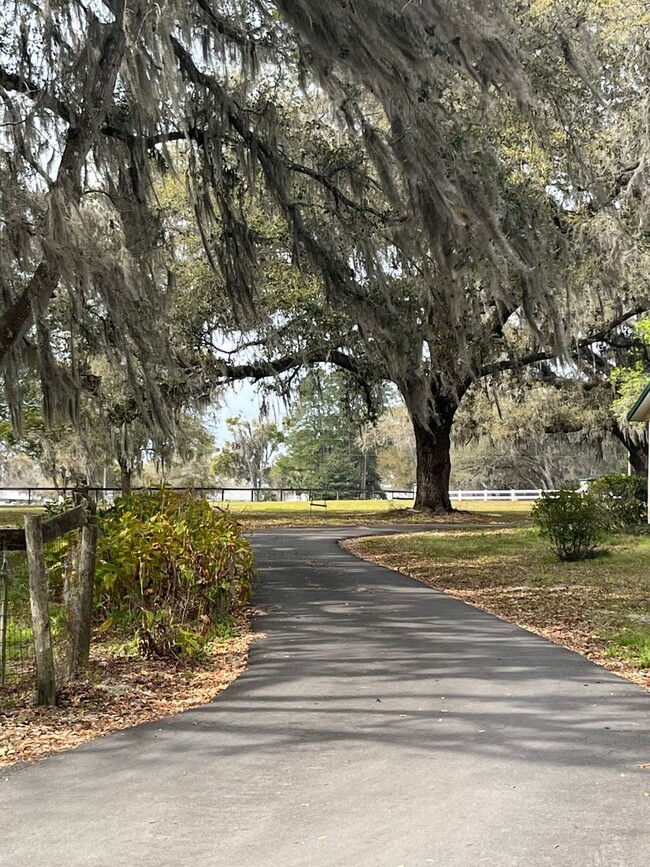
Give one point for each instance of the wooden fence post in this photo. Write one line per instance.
(45, 676)
(80, 601)
(4, 614)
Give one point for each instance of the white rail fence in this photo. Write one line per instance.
(523, 495)
(39, 496)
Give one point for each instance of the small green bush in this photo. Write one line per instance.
(571, 521)
(622, 500)
(172, 569)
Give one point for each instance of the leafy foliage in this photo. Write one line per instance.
(571, 521)
(631, 378)
(395, 443)
(248, 454)
(622, 500)
(171, 567)
(325, 447)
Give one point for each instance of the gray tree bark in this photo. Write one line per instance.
(432, 416)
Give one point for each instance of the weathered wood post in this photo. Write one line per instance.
(45, 675)
(4, 614)
(80, 601)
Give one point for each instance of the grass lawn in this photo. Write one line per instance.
(12, 516)
(359, 512)
(598, 607)
(346, 512)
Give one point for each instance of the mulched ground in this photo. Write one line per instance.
(117, 692)
(253, 520)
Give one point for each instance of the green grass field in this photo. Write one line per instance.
(12, 516)
(359, 512)
(276, 514)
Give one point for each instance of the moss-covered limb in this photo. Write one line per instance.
(65, 192)
(422, 205)
(603, 332)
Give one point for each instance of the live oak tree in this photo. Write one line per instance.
(390, 325)
(434, 330)
(94, 98)
(91, 95)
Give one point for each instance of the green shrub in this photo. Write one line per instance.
(172, 569)
(622, 500)
(570, 520)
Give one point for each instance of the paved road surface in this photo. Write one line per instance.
(379, 724)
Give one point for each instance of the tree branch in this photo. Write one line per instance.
(337, 194)
(11, 81)
(599, 336)
(226, 28)
(265, 369)
(335, 272)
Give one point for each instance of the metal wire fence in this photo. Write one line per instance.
(17, 665)
(16, 639)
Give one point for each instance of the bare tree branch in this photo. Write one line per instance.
(11, 81)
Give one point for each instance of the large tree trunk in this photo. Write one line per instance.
(637, 449)
(433, 448)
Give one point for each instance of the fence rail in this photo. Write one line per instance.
(41, 496)
(516, 495)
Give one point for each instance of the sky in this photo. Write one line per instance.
(242, 400)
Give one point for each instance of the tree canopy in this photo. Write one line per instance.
(422, 192)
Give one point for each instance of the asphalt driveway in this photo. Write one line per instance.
(379, 723)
